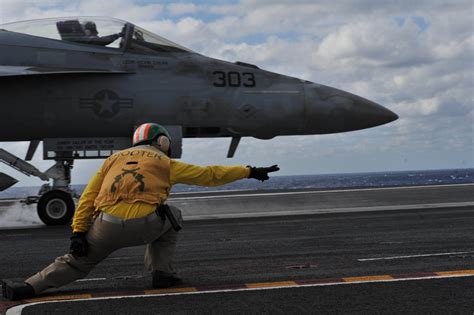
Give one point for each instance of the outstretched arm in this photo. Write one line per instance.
(215, 175)
(98, 40)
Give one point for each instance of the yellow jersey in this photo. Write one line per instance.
(179, 173)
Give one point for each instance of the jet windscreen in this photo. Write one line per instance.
(101, 31)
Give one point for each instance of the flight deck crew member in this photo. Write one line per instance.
(120, 207)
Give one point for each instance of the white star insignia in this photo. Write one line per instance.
(106, 104)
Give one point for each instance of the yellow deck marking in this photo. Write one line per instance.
(455, 272)
(59, 298)
(261, 285)
(367, 278)
(270, 284)
(170, 290)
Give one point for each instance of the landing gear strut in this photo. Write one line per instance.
(55, 204)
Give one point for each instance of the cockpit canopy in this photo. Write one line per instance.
(97, 31)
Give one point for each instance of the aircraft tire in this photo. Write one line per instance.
(56, 207)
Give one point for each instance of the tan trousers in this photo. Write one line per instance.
(104, 238)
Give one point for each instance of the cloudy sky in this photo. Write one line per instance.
(414, 57)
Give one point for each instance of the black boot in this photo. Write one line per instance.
(164, 280)
(16, 290)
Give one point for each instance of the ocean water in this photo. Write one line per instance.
(353, 180)
(326, 181)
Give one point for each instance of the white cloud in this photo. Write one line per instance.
(377, 43)
(423, 107)
(182, 8)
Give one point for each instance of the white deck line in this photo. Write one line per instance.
(18, 309)
(327, 210)
(91, 279)
(315, 192)
(413, 256)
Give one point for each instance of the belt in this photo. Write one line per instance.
(113, 219)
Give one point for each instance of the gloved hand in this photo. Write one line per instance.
(79, 245)
(261, 173)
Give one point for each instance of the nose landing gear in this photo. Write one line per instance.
(55, 204)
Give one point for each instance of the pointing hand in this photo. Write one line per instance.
(261, 173)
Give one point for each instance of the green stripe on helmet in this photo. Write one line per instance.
(154, 131)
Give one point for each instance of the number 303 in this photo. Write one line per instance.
(233, 79)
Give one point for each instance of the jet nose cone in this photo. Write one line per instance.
(329, 110)
(372, 113)
(389, 116)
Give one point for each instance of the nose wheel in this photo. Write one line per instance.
(56, 207)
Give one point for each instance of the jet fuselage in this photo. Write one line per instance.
(71, 89)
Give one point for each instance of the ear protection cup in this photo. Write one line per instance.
(163, 143)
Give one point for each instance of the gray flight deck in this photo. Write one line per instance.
(398, 233)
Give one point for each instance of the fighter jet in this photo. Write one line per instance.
(82, 84)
